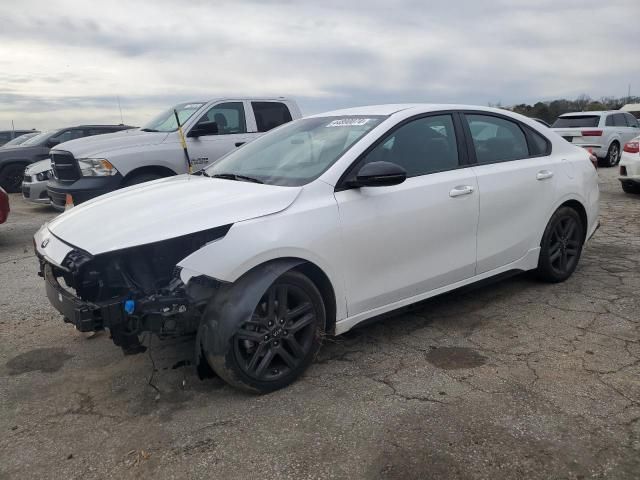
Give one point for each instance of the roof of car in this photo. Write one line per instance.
(592, 113)
(390, 109)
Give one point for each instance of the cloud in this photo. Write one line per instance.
(68, 60)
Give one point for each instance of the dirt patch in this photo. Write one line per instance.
(453, 358)
(47, 360)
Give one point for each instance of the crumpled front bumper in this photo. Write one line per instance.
(85, 316)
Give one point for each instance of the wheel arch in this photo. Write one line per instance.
(14, 161)
(576, 205)
(157, 169)
(233, 303)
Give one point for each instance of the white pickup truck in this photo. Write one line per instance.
(89, 167)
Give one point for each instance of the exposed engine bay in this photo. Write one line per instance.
(132, 291)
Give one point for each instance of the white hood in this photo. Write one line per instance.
(164, 209)
(88, 147)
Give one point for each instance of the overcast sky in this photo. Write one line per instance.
(66, 61)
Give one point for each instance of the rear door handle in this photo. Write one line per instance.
(544, 174)
(239, 143)
(461, 190)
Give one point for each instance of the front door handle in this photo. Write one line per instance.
(544, 174)
(461, 190)
(239, 143)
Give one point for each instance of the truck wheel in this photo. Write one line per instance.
(142, 178)
(280, 341)
(631, 188)
(561, 246)
(11, 177)
(613, 155)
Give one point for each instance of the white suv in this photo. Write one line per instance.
(603, 132)
(318, 226)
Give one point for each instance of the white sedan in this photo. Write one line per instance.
(317, 226)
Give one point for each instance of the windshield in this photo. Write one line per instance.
(20, 140)
(577, 121)
(166, 121)
(297, 152)
(39, 138)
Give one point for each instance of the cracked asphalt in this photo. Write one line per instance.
(513, 380)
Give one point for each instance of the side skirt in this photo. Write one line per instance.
(528, 262)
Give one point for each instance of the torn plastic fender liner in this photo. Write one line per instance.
(234, 303)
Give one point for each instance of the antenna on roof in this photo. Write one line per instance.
(120, 108)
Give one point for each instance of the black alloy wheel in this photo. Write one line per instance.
(561, 245)
(278, 343)
(613, 154)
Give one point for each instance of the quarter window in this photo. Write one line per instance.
(496, 139)
(631, 120)
(422, 146)
(270, 115)
(228, 116)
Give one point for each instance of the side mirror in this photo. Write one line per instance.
(380, 174)
(204, 128)
(52, 142)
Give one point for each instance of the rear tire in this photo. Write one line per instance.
(11, 177)
(142, 178)
(613, 155)
(631, 188)
(280, 341)
(561, 246)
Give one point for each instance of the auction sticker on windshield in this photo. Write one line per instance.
(349, 122)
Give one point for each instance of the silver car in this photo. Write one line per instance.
(604, 133)
(34, 184)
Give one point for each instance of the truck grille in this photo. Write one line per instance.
(65, 166)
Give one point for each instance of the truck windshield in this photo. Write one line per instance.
(296, 153)
(166, 121)
(38, 139)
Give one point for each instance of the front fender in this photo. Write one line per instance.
(233, 304)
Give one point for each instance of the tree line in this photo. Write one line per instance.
(549, 111)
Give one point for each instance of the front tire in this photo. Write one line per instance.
(561, 246)
(281, 339)
(141, 178)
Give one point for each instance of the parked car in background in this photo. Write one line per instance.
(8, 135)
(19, 140)
(4, 206)
(604, 132)
(14, 160)
(318, 226)
(630, 166)
(84, 169)
(632, 108)
(34, 182)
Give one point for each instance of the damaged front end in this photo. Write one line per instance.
(132, 291)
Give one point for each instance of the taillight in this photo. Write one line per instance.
(632, 147)
(591, 133)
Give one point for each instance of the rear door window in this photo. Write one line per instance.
(270, 115)
(496, 139)
(577, 121)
